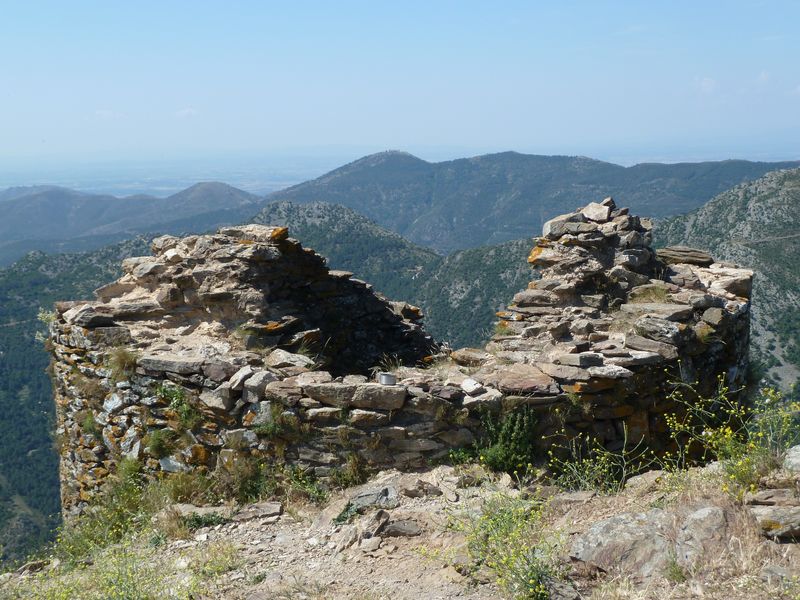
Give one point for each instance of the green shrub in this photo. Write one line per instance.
(582, 462)
(121, 509)
(509, 537)
(245, 480)
(282, 425)
(193, 486)
(89, 425)
(502, 328)
(299, 484)
(353, 473)
(217, 559)
(160, 442)
(196, 521)
(89, 388)
(349, 511)
(123, 571)
(508, 443)
(189, 417)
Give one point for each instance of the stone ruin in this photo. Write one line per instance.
(269, 351)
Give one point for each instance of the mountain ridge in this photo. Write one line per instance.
(56, 218)
(492, 198)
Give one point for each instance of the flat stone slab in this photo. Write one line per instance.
(637, 342)
(332, 394)
(565, 372)
(535, 298)
(88, 316)
(777, 497)
(381, 397)
(469, 357)
(662, 310)
(259, 510)
(778, 522)
(171, 363)
(580, 359)
(522, 379)
(385, 497)
(684, 255)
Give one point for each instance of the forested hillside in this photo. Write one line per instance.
(29, 501)
(757, 224)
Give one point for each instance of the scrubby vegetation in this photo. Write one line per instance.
(122, 363)
(748, 439)
(508, 537)
(188, 415)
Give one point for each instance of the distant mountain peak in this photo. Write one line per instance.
(393, 156)
(208, 186)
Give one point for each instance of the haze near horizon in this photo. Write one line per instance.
(94, 84)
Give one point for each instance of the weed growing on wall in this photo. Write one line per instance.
(508, 444)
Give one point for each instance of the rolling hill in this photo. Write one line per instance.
(57, 219)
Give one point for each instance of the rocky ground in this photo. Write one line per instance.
(663, 536)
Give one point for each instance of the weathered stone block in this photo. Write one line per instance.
(380, 397)
(333, 394)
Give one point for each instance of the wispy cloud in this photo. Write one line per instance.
(186, 113)
(706, 85)
(763, 78)
(796, 90)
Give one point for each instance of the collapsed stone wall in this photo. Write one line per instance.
(208, 326)
(243, 344)
(613, 325)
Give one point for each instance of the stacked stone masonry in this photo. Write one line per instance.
(244, 344)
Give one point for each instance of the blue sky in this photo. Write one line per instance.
(623, 81)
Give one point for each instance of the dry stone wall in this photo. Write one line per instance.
(612, 325)
(219, 348)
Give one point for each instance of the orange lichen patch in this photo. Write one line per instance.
(537, 250)
(99, 472)
(588, 387)
(275, 326)
(427, 359)
(245, 242)
(279, 233)
(198, 454)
